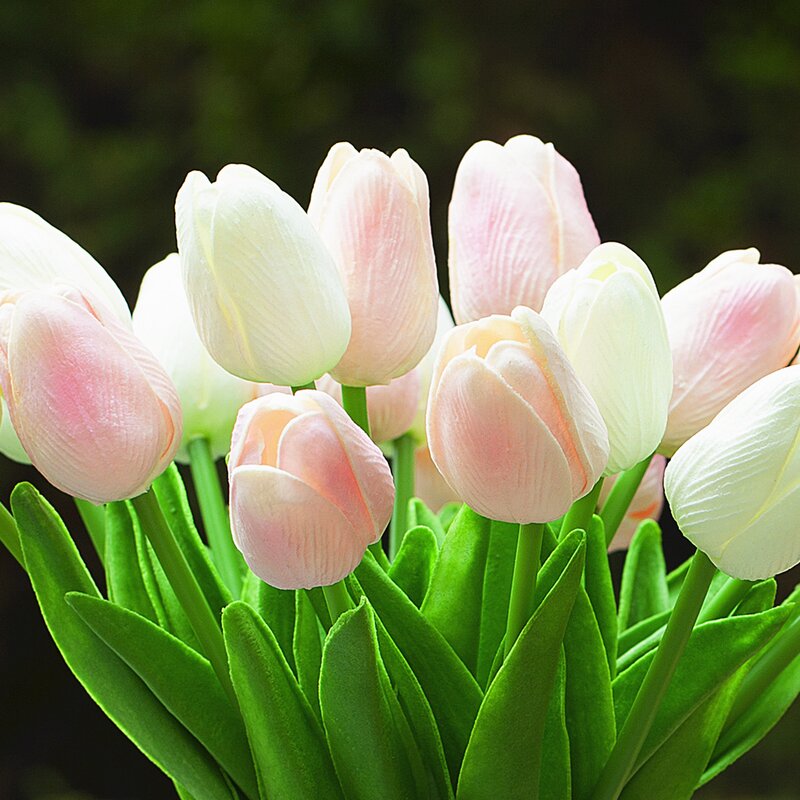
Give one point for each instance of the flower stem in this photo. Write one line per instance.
(523, 583)
(182, 579)
(620, 496)
(656, 681)
(337, 599)
(354, 400)
(404, 447)
(215, 514)
(580, 512)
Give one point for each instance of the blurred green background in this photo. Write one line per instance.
(683, 119)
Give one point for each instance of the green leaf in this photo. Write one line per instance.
(420, 514)
(644, 589)
(759, 597)
(287, 742)
(675, 580)
(673, 771)
(55, 568)
(413, 565)
(307, 649)
(361, 715)
(448, 513)
(452, 692)
(555, 780)
(171, 494)
(600, 589)
(123, 577)
(179, 677)
(93, 518)
(732, 640)
(631, 637)
(276, 607)
(503, 757)
(589, 700)
(9, 535)
(455, 599)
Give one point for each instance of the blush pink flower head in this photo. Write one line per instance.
(510, 426)
(92, 407)
(309, 491)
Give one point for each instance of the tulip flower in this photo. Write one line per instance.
(729, 325)
(647, 503)
(266, 297)
(372, 212)
(734, 487)
(95, 412)
(390, 408)
(210, 396)
(510, 426)
(607, 316)
(35, 255)
(429, 484)
(309, 490)
(518, 220)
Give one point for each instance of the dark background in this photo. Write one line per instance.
(682, 118)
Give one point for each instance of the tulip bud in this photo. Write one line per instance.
(510, 426)
(734, 487)
(518, 220)
(429, 484)
(35, 255)
(210, 397)
(647, 503)
(372, 212)
(309, 490)
(264, 292)
(607, 316)
(390, 408)
(729, 325)
(92, 407)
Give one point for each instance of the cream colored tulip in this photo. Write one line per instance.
(510, 426)
(265, 294)
(734, 487)
(518, 220)
(607, 316)
(372, 212)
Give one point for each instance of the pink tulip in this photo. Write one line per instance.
(372, 212)
(93, 409)
(518, 219)
(510, 426)
(646, 504)
(429, 484)
(309, 490)
(391, 409)
(729, 325)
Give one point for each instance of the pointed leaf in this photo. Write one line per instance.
(276, 607)
(644, 589)
(448, 513)
(600, 589)
(55, 568)
(420, 514)
(759, 597)
(287, 742)
(413, 565)
(179, 677)
(555, 780)
(631, 637)
(307, 649)
(503, 757)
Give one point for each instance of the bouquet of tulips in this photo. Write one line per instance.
(446, 628)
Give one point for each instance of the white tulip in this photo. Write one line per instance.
(265, 294)
(734, 487)
(210, 397)
(607, 316)
(35, 255)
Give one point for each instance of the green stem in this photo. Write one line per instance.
(580, 512)
(94, 519)
(784, 649)
(404, 448)
(656, 681)
(523, 583)
(214, 512)
(296, 389)
(354, 400)
(9, 535)
(337, 599)
(182, 579)
(725, 600)
(620, 496)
